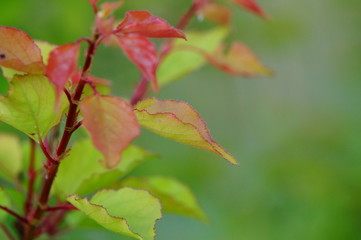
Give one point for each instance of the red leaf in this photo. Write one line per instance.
(142, 53)
(62, 64)
(143, 23)
(19, 52)
(251, 6)
(217, 13)
(112, 125)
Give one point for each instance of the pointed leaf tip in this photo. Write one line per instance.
(111, 123)
(180, 122)
(19, 52)
(144, 23)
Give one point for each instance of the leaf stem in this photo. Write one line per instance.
(32, 177)
(61, 207)
(184, 21)
(71, 120)
(11, 212)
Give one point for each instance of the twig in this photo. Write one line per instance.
(43, 200)
(11, 212)
(46, 152)
(60, 207)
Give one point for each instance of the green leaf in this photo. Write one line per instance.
(181, 61)
(88, 174)
(175, 196)
(30, 105)
(125, 211)
(10, 157)
(4, 201)
(178, 121)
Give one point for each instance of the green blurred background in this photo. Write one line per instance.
(296, 135)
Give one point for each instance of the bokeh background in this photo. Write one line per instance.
(296, 135)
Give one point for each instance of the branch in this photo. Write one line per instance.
(11, 212)
(71, 120)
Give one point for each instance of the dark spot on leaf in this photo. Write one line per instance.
(32, 134)
(2, 56)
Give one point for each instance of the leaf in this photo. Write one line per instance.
(10, 157)
(125, 211)
(142, 53)
(144, 23)
(45, 49)
(29, 105)
(19, 52)
(89, 175)
(178, 121)
(5, 202)
(107, 8)
(240, 60)
(111, 123)
(180, 61)
(251, 6)
(62, 64)
(216, 13)
(175, 197)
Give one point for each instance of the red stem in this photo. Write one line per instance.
(61, 150)
(32, 176)
(139, 91)
(11, 212)
(183, 22)
(61, 207)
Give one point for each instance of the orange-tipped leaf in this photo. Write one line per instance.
(19, 52)
(180, 122)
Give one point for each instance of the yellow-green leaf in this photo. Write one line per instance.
(30, 105)
(125, 211)
(180, 122)
(175, 196)
(10, 157)
(88, 174)
(181, 61)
